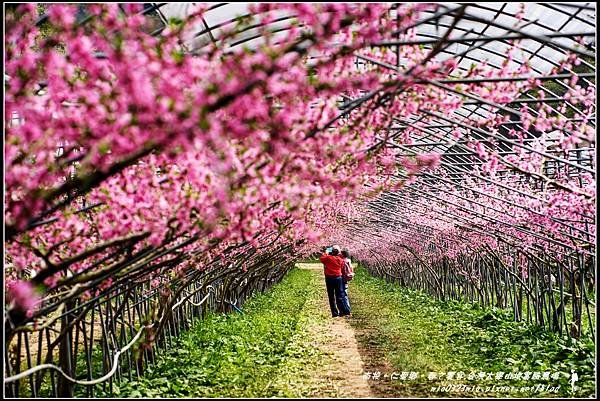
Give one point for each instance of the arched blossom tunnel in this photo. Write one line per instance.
(163, 160)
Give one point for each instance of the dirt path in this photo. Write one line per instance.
(342, 370)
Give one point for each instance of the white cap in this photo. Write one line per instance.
(337, 247)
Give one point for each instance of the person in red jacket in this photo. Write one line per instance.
(333, 280)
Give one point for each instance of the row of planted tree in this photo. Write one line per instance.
(88, 342)
(556, 294)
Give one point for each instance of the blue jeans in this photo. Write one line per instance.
(345, 288)
(337, 301)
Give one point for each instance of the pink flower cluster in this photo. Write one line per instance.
(22, 296)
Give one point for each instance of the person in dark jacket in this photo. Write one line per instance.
(333, 280)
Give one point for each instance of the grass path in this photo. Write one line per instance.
(341, 371)
(286, 344)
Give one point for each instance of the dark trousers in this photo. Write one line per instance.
(337, 301)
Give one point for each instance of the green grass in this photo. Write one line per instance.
(414, 332)
(267, 352)
(260, 353)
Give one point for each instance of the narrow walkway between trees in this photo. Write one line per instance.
(285, 344)
(342, 371)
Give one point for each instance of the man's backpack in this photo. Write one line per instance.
(347, 273)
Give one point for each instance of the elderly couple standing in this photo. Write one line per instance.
(338, 271)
